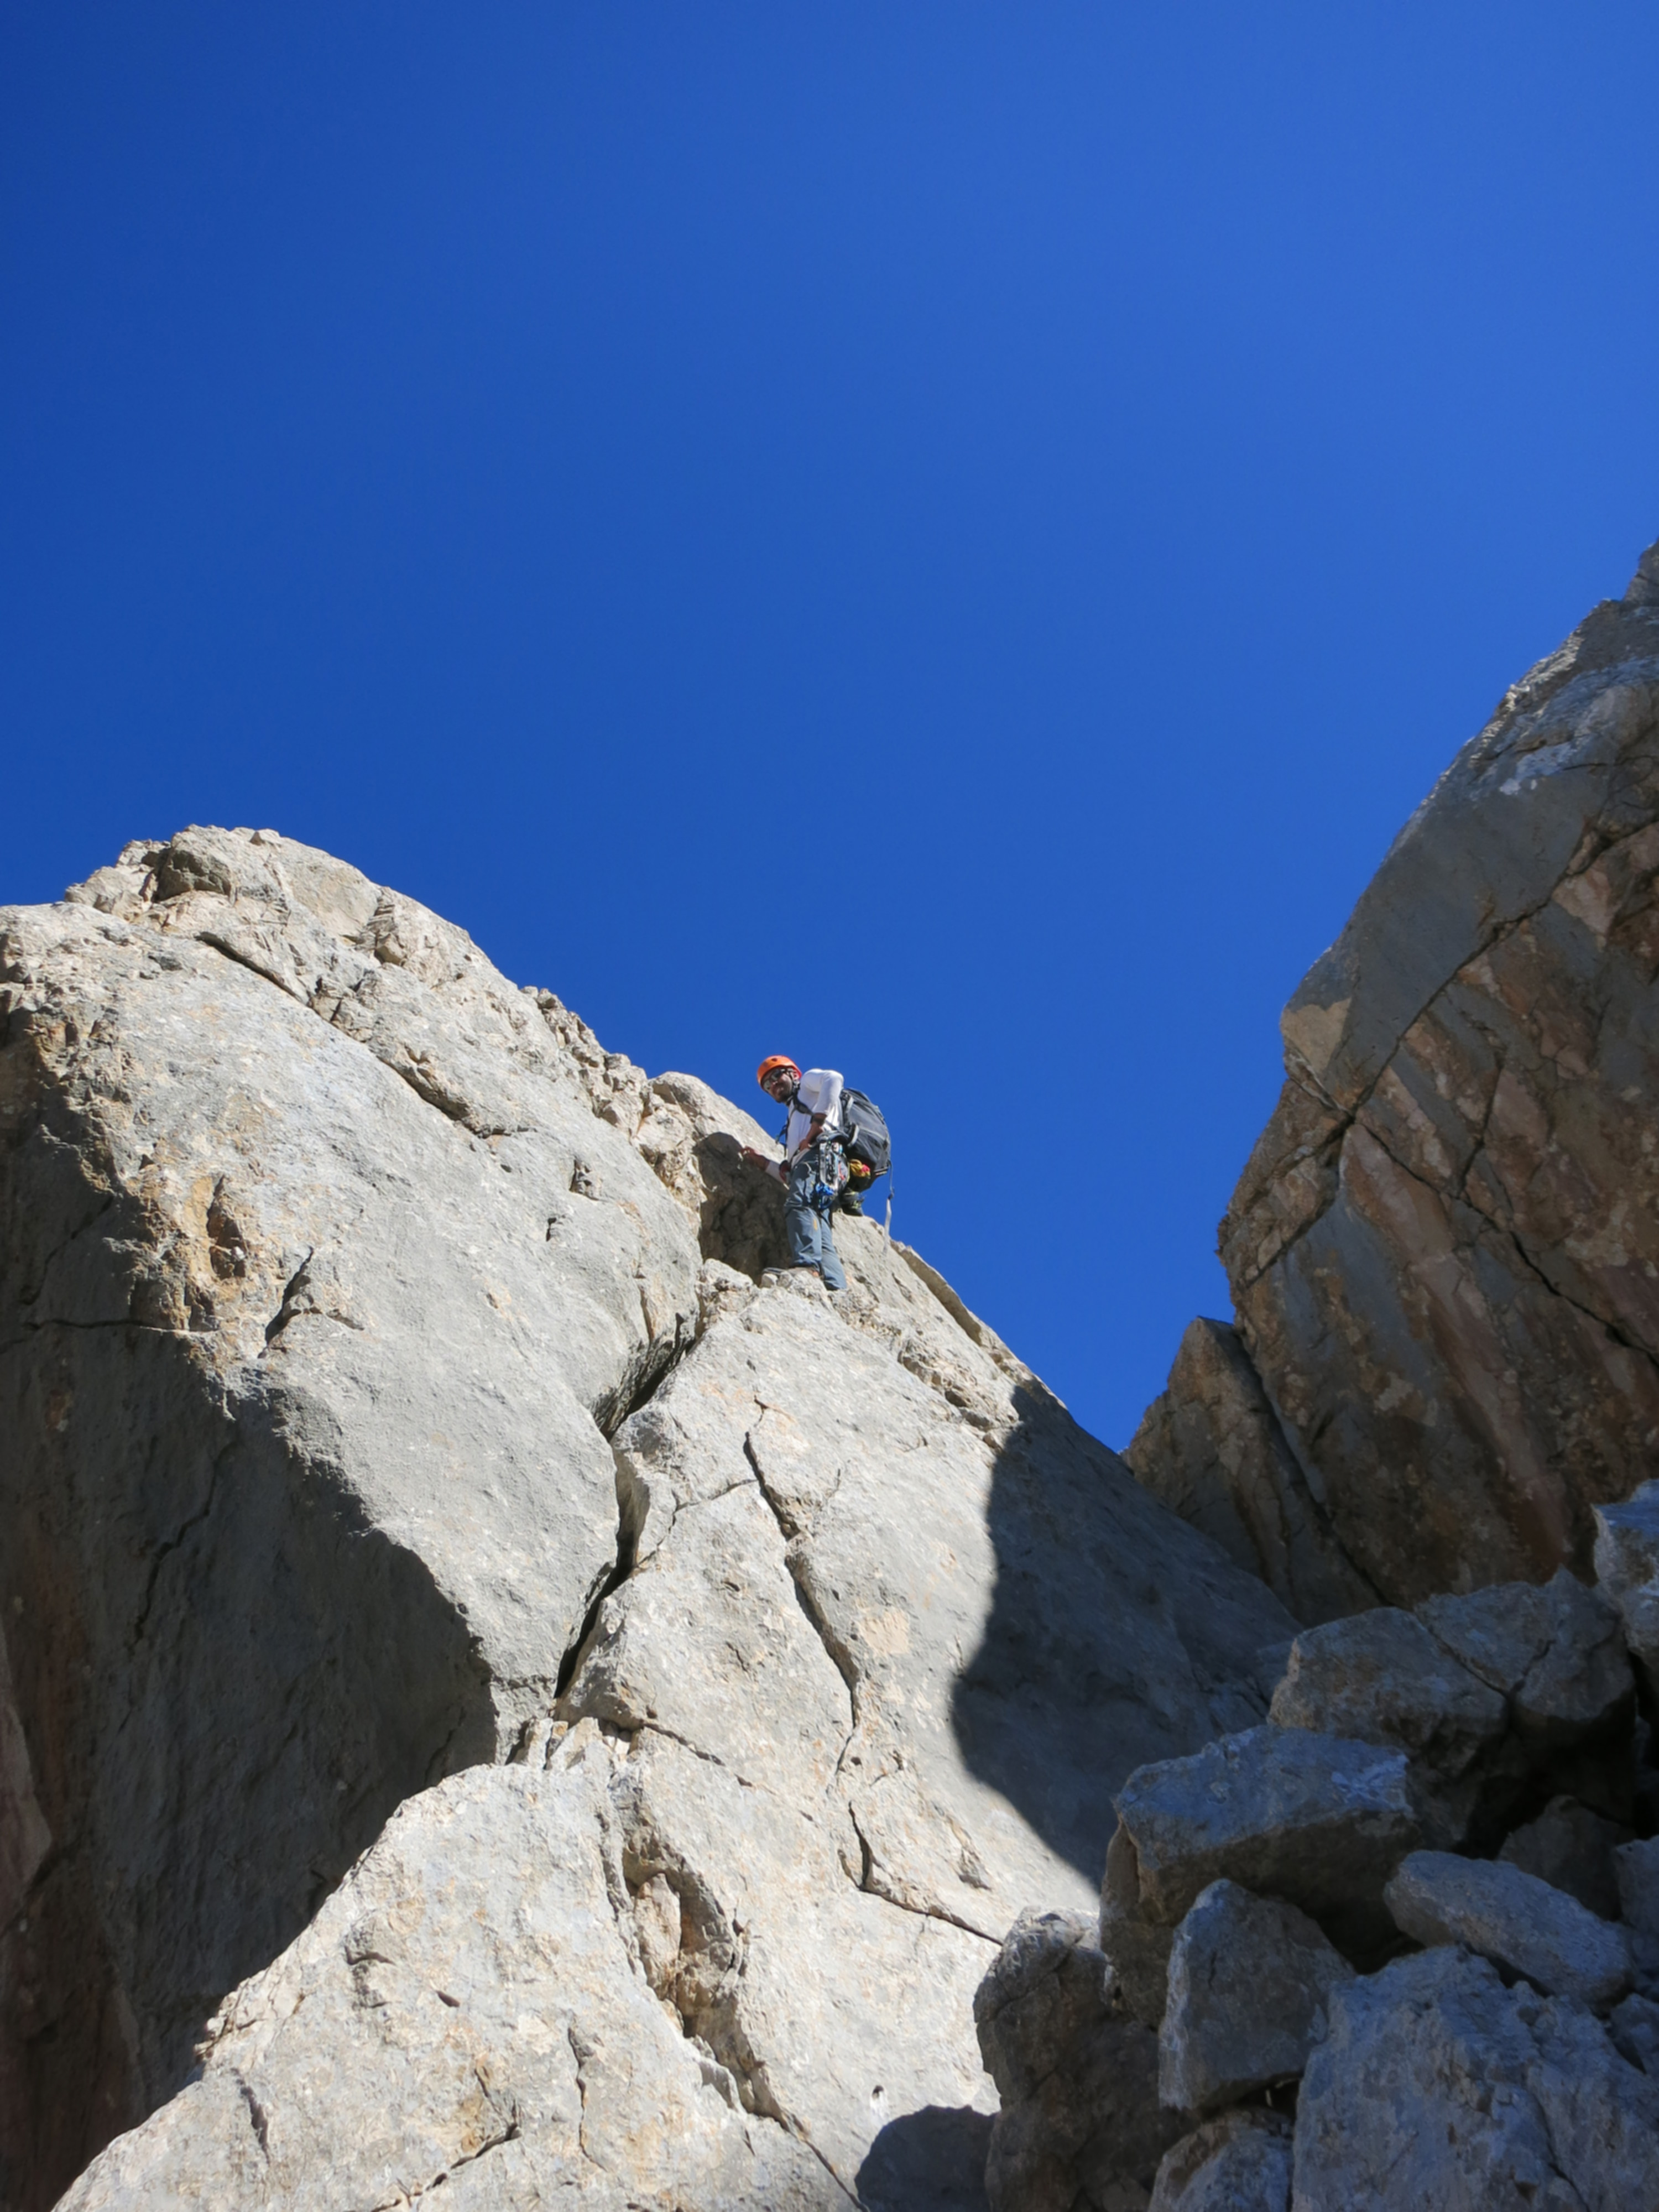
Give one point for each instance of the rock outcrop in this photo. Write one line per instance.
(1519, 1922)
(506, 1688)
(1271, 1880)
(1077, 2073)
(1433, 1419)
(1512, 2099)
(1249, 1989)
(1212, 1450)
(479, 1645)
(1444, 1250)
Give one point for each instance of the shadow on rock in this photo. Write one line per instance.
(740, 1214)
(931, 2161)
(1117, 1635)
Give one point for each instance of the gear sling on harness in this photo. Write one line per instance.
(863, 1137)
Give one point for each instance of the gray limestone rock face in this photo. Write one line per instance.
(1212, 1450)
(1438, 2088)
(469, 2010)
(1627, 1569)
(1519, 1922)
(843, 1585)
(1445, 1249)
(396, 1397)
(1572, 1848)
(1239, 2162)
(835, 2013)
(1250, 1983)
(307, 1351)
(1319, 1820)
(693, 1140)
(1381, 1677)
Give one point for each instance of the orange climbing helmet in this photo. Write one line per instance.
(772, 1063)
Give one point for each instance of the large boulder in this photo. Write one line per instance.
(1436, 2088)
(1445, 1249)
(394, 1382)
(1320, 1821)
(1381, 1677)
(1484, 1692)
(1518, 1922)
(1250, 1983)
(1077, 2075)
(1555, 1652)
(1048, 1985)
(1239, 2162)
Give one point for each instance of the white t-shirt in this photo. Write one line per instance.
(818, 1092)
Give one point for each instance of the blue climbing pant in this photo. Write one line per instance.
(810, 1243)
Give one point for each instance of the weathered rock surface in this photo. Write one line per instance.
(1572, 1848)
(1046, 1984)
(1319, 1820)
(794, 1482)
(1250, 1983)
(1080, 2124)
(1636, 1870)
(1212, 1450)
(1381, 1677)
(1635, 1867)
(1634, 2028)
(1555, 1652)
(307, 1349)
(1137, 1946)
(1445, 1249)
(1521, 1924)
(1627, 1569)
(1239, 2162)
(1438, 2088)
(336, 1268)
(466, 2010)
(1485, 1694)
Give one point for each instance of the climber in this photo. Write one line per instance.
(813, 1170)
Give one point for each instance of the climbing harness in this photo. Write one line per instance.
(829, 1175)
(861, 1142)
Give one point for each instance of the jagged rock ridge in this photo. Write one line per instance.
(416, 1467)
(1444, 1374)
(1445, 1249)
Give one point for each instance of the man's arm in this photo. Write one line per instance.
(778, 1169)
(824, 1097)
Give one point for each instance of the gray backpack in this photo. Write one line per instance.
(862, 1134)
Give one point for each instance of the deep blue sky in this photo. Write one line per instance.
(942, 538)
